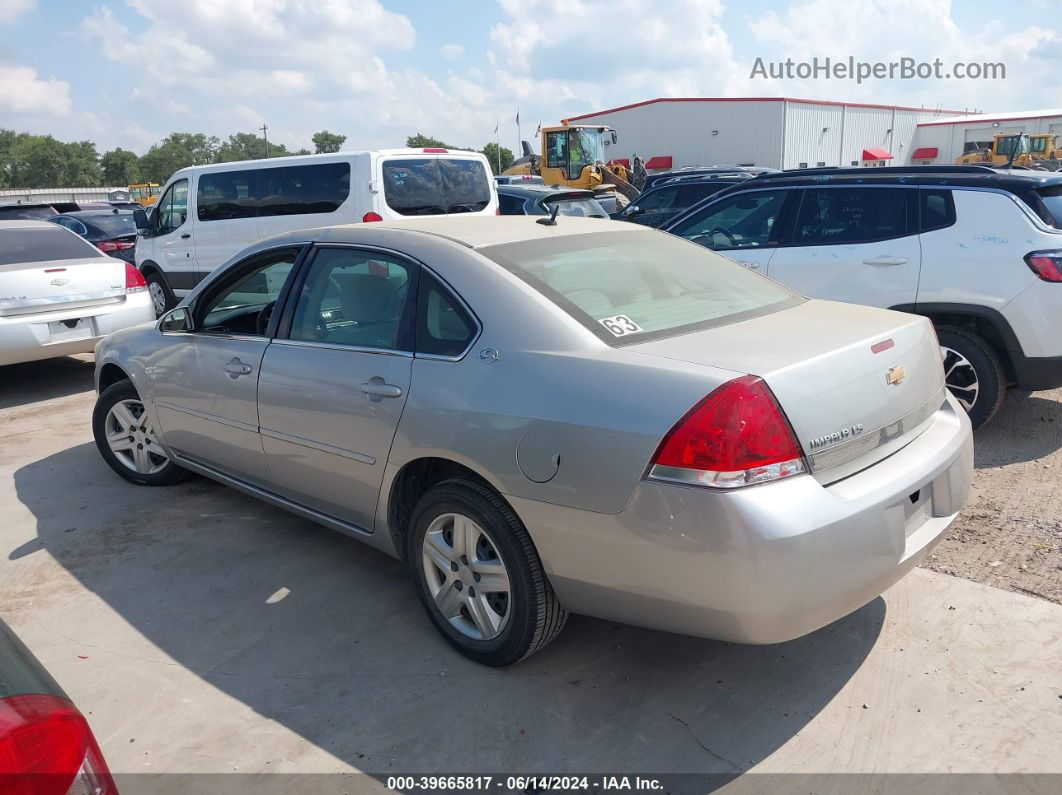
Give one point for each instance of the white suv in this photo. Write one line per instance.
(977, 251)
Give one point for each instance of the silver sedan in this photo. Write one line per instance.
(549, 417)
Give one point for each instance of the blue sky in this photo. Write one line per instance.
(127, 72)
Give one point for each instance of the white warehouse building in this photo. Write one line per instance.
(781, 132)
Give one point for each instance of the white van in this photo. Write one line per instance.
(206, 214)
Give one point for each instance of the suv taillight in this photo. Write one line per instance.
(1046, 264)
(134, 279)
(370, 216)
(735, 437)
(46, 747)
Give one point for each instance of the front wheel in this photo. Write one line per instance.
(479, 576)
(162, 297)
(127, 441)
(973, 373)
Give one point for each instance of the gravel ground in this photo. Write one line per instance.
(1010, 533)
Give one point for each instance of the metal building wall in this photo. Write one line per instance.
(950, 139)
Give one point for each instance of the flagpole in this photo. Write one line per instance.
(519, 137)
(497, 134)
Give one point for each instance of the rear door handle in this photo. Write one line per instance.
(376, 389)
(235, 368)
(885, 259)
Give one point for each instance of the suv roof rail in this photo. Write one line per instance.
(881, 170)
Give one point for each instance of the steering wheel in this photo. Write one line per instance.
(730, 238)
(262, 322)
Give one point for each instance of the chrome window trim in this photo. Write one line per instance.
(334, 346)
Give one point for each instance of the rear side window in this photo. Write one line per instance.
(830, 216)
(303, 190)
(444, 328)
(1051, 198)
(435, 186)
(937, 209)
(640, 285)
(43, 245)
(226, 194)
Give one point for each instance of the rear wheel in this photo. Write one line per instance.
(973, 373)
(127, 441)
(162, 297)
(479, 576)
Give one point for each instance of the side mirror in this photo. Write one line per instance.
(633, 210)
(140, 218)
(179, 319)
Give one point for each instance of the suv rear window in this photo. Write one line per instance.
(640, 285)
(435, 186)
(43, 245)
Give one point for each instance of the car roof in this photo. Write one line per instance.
(535, 189)
(970, 176)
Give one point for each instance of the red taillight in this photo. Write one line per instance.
(736, 436)
(371, 217)
(47, 748)
(1046, 264)
(114, 245)
(497, 210)
(434, 150)
(134, 279)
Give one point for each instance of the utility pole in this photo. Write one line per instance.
(264, 128)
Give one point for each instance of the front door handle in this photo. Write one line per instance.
(235, 368)
(186, 235)
(377, 389)
(885, 259)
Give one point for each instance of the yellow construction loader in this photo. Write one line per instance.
(1016, 150)
(574, 156)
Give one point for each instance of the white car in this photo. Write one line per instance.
(60, 295)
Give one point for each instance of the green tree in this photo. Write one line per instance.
(38, 161)
(177, 151)
(420, 141)
(8, 139)
(325, 141)
(490, 151)
(81, 167)
(119, 167)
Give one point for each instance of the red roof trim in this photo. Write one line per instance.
(659, 161)
(876, 154)
(760, 99)
(988, 120)
(925, 153)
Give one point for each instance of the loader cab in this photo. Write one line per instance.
(569, 151)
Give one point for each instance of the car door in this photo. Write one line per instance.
(172, 238)
(333, 387)
(853, 243)
(746, 226)
(205, 381)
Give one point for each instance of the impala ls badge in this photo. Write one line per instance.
(59, 282)
(895, 375)
(843, 435)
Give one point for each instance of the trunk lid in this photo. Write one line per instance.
(31, 287)
(853, 381)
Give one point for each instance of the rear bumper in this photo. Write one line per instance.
(763, 564)
(1037, 372)
(28, 338)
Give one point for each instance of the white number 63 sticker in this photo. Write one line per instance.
(620, 325)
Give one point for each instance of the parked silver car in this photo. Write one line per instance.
(582, 416)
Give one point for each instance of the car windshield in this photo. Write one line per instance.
(584, 148)
(436, 186)
(120, 225)
(640, 285)
(587, 208)
(43, 244)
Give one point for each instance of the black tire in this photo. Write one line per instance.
(169, 474)
(987, 373)
(535, 616)
(156, 286)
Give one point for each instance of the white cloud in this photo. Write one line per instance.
(10, 10)
(451, 52)
(22, 91)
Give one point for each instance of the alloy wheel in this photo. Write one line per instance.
(132, 439)
(960, 377)
(158, 296)
(466, 576)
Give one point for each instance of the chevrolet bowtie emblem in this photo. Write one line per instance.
(60, 281)
(895, 375)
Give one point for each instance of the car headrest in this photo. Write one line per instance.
(366, 298)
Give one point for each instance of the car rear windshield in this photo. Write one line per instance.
(1052, 199)
(435, 186)
(640, 285)
(587, 208)
(121, 225)
(16, 213)
(43, 245)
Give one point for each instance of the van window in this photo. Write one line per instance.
(224, 195)
(435, 186)
(302, 190)
(830, 216)
(172, 210)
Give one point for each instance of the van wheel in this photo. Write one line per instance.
(973, 373)
(162, 297)
(479, 576)
(127, 441)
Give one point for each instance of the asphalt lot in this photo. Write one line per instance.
(204, 632)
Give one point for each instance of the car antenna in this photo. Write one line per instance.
(552, 220)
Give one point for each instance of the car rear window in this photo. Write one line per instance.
(586, 208)
(121, 225)
(637, 286)
(42, 245)
(435, 186)
(1052, 200)
(16, 213)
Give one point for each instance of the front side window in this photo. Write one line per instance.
(557, 149)
(831, 216)
(244, 304)
(172, 209)
(640, 285)
(444, 328)
(742, 221)
(224, 195)
(436, 185)
(353, 297)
